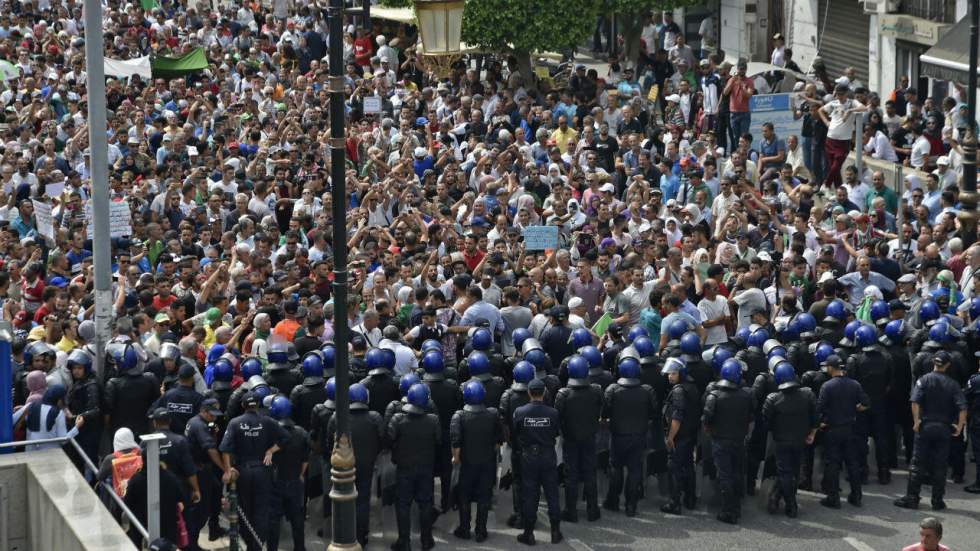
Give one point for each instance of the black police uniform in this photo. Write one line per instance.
(973, 424)
(651, 376)
(320, 419)
(579, 408)
(304, 398)
(493, 388)
(284, 379)
(897, 402)
(182, 402)
(800, 356)
(601, 377)
(448, 399)
(699, 371)
(200, 439)
(940, 401)
(127, 399)
(367, 433)
(790, 414)
(176, 451)
(556, 342)
(814, 380)
(247, 438)
(288, 496)
(755, 363)
(837, 408)
(512, 399)
(476, 431)
(537, 427)
(415, 438)
(873, 369)
(551, 384)
(358, 368)
(763, 386)
(728, 411)
(683, 405)
(85, 400)
(631, 408)
(382, 390)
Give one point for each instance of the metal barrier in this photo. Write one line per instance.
(133, 521)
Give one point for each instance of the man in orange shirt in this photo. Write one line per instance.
(739, 89)
(295, 315)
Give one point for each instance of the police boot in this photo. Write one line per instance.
(463, 530)
(514, 520)
(884, 476)
(482, 512)
(907, 502)
(792, 509)
(425, 529)
(673, 507)
(831, 501)
(592, 503)
(556, 535)
(973, 488)
(527, 536)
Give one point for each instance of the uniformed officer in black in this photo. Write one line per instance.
(872, 367)
(380, 382)
(306, 396)
(762, 386)
(289, 466)
(415, 437)
(579, 407)
(284, 375)
(894, 342)
(247, 448)
(628, 407)
(367, 433)
(813, 379)
(840, 400)
(513, 398)
(176, 452)
(728, 412)
(682, 415)
(129, 396)
(537, 427)
(200, 434)
(448, 399)
(320, 419)
(938, 415)
(479, 368)
(791, 415)
(476, 433)
(973, 416)
(182, 401)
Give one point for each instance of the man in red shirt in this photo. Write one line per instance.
(363, 49)
(471, 254)
(739, 89)
(930, 532)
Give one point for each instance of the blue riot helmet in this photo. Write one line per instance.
(358, 396)
(473, 393)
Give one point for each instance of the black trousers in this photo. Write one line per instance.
(627, 453)
(540, 471)
(197, 516)
(788, 459)
(680, 464)
(414, 484)
(254, 486)
(929, 459)
(288, 500)
(476, 484)
(580, 467)
(362, 482)
(444, 471)
(875, 423)
(839, 447)
(755, 450)
(974, 430)
(729, 460)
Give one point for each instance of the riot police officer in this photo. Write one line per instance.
(939, 414)
(841, 398)
(752, 356)
(697, 369)
(872, 367)
(728, 412)
(247, 448)
(130, 395)
(175, 450)
(800, 353)
(973, 408)
(537, 427)
(367, 432)
(579, 405)
(415, 437)
(478, 366)
(251, 371)
(762, 386)
(223, 373)
(281, 372)
(513, 398)
(683, 419)
(320, 419)
(597, 374)
(404, 383)
(894, 342)
(85, 401)
(814, 379)
(832, 326)
(446, 395)
(536, 356)
(306, 396)
(476, 432)
(289, 467)
(791, 416)
(200, 434)
(182, 401)
(628, 407)
(380, 382)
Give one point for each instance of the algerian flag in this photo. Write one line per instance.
(149, 4)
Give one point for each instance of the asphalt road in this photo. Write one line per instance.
(877, 526)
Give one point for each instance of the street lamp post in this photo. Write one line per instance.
(968, 197)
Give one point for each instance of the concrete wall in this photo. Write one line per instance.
(734, 29)
(803, 27)
(51, 507)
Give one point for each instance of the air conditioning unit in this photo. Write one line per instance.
(881, 7)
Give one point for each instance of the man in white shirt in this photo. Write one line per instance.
(839, 115)
(877, 144)
(778, 57)
(405, 360)
(919, 157)
(715, 314)
(947, 176)
(638, 293)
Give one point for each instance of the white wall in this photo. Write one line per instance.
(734, 38)
(803, 28)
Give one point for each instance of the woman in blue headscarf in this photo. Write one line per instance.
(45, 418)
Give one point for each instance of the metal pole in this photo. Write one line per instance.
(153, 483)
(900, 215)
(968, 197)
(6, 385)
(859, 146)
(342, 469)
(366, 18)
(99, 170)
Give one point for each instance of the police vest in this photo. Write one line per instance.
(426, 333)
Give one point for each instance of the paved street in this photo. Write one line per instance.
(878, 526)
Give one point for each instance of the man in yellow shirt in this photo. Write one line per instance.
(563, 134)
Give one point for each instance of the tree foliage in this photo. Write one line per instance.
(528, 25)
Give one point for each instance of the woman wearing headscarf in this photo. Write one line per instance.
(37, 384)
(126, 458)
(45, 418)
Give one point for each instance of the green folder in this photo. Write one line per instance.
(602, 325)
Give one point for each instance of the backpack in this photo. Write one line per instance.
(124, 466)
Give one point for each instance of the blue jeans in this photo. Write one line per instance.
(740, 125)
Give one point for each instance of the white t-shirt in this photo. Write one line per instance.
(711, 310)
(841, 124)
(749, 301)
(920, 150)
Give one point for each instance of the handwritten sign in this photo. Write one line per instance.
(539, 238)
(43, 219)
(120, 224)
(54, 191)
(372, 104)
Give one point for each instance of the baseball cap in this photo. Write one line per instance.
(943, 160)
(608, 188)
(832, 361)
(162, 317)
(160, 414)
(250, 400)
(560, 312)
(213, 315)
(896, 304)
(941, 357)
(187, 371)
(907, 278)
(212, 406)
(535, 386)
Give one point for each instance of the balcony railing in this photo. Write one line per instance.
(940, 11)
